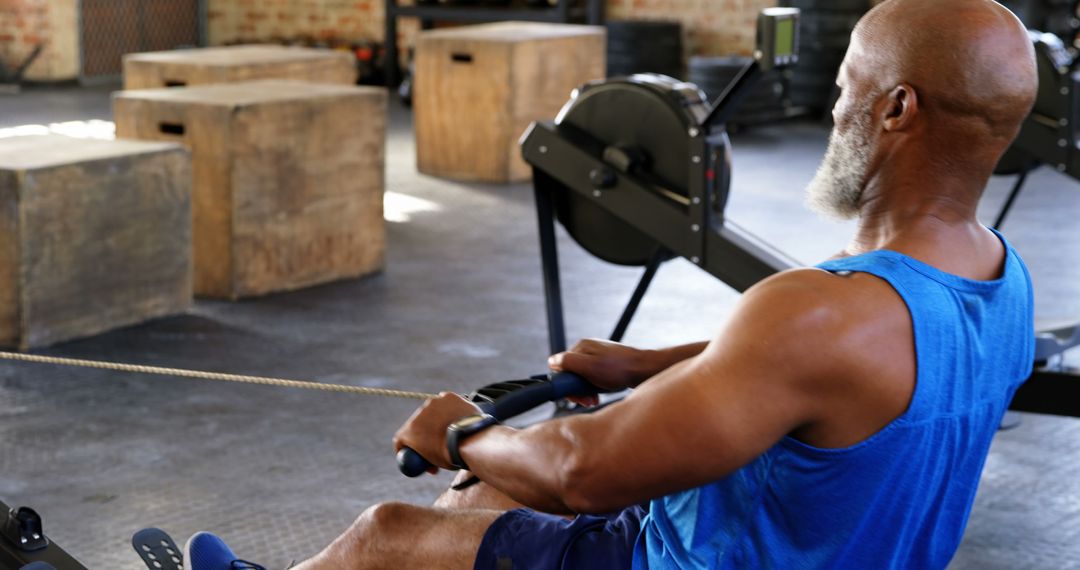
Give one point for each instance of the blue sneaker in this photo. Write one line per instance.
(205, 551)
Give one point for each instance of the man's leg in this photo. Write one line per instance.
(477, 496)
(401, 536)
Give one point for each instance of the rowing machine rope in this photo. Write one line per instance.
(216, 376)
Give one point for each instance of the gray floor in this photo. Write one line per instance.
(280, 472)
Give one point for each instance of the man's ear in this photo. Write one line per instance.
(901, 108)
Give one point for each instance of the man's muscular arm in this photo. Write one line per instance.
(614, 367)
(784, 363)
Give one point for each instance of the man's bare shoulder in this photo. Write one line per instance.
(844, 339)
(817, 300)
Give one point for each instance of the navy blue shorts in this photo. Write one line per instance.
(527, 540)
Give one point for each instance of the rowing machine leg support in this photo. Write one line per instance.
(1013, 194)
(658, 258)
(549, 258)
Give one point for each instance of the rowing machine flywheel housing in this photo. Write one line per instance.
(643, 125)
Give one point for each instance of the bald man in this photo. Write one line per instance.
(842, 417)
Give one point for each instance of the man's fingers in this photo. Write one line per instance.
(587, 401)
(571, 362)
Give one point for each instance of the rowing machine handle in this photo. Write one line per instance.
(561, 385)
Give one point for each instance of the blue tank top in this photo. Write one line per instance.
(899, 499)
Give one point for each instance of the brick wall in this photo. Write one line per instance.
(717, 27)
(713, 27)
(232, 20)
(25, 23)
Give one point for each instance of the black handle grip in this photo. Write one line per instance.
(411, 464)
(561, 385)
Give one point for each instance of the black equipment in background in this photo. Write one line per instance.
(825, 28)
(1048, 136)
(1057, 17)
(637, 192)
(638, 46)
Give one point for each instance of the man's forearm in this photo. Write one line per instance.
(536, 466)
(530, 465)
(656, 361)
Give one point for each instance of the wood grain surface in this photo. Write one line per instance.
(477, 88)
(288, 179)
(95, 241)
(237, 63)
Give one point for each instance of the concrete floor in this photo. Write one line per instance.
(280, 472)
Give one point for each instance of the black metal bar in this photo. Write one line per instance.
(391, 70)
(595, 13)
(549, 259)
(1049, 392)
(561, 10)
(657, 259)
(728, 101)
(1012, 197)
(741, 259)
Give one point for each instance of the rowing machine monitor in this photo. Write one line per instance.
(638, 170)
(778, 38)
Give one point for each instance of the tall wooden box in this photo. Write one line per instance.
(288, 178)
(94, 235)
(180, 68)
(477, 88)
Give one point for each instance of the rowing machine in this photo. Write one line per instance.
(1048, 136)
(638, 170)
(23, 542)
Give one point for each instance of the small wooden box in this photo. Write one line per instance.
(288, 178)
(180, 68)
(94, 235)
(477, 88)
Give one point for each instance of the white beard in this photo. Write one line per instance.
(837, 188)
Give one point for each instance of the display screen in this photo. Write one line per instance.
(785, 37)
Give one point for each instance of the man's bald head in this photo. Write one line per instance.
(967, 59)
(930, 89)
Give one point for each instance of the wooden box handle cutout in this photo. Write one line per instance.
(176, 129)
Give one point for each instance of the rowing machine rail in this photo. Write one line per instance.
(23, 541)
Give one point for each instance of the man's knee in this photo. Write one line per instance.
(384, 518)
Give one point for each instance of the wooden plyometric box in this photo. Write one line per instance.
(94, 235)
(205, 66)
(288, 179)
(477, 88)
